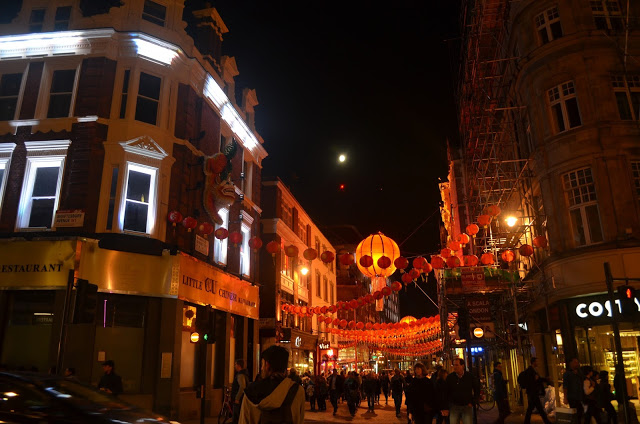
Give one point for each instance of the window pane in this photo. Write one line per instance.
(154, 12)
(8, 108)
(37, 16)
(10, 84)
(135, 217)
(623, 106)
(41, 213)
(635, 102)
(149, 86)
(138, 186)
(63, 13)
(557, 115)
(593, 218)
(573, 113)
(146, 110)
(543, 35)
(577, 227)
(556, 30)
(63, 81)
(59, 105)
(46, 182)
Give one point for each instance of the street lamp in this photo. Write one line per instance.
(304, 270)
(511, 221)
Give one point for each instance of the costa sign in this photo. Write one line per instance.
(598, 308)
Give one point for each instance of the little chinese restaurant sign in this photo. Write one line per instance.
(202, 283)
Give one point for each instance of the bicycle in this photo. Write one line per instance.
(226, 412)
(487, 401)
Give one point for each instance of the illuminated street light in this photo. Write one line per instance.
(511, 221)
(304, 270)
(342, 158)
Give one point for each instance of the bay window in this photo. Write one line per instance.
(139, 198)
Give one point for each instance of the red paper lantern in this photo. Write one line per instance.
(189, 223)
(414, 273)
(470, 260)
(235, 238)
(472, 229)
(352, 324)
(336, 322)
(304, 310)
(291, 251)
(420, 263)
(366, 261)
(310, 254)
(377, 295)
(493, 210)
(427, 269)
(487, 259)
(332, 309)
(540, 241)
(174, 217)
(463, 238)
(323, 310)
(384, 262)
(454, 245)
(484, 220)
(353, 304)
(205, 228)
(508, 256)
(376, 326)
(368, 326)
(406, 278)
(255, 243)
(346, 259)
(221, 233)
(396, 286)
(386, 291)
(369, 298)
(296, 309)
(343, 323)
(359, 325)
(453, 262)
(445, 253)
(273, 247)
(401, 263)
(361, 302)
(526, 250)
(327, 256)
(437, 262)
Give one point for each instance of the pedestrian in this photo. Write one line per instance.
(275, 398)
(442, 403)
(463, 392)
(378, 388)
(421, 399)
(110, 382)
(343, 377)
(500, 393)
(336, 386)
(605, 399)
(240, 383)
(397, 387)
(293, 374)
(385, 383)
(310, 391)
(533, 385)
(70, 374)
(321, 392)
(369, 385)
(352, 392)
(590, 395)
(572, 383)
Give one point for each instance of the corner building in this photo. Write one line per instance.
(122, 148)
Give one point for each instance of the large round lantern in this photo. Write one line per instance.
(540, 241)
(327, 256)
(291, 251)
(273, 247)
(414, 273)
(310, 254)
(453, 262)
(255, 243)
(487, 258)
(437, 262)
(401, 263)
(470, 260)
(484, 220)
(377, 246)
(235, 238)
(508, 256)
(472, 229)
(346, 259)
(174, 217)
(221, 233)
(189, 223)
(463, 238)
(526, 250)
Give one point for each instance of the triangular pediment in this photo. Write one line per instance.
(144, 146)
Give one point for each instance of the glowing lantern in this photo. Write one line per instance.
(221, 233)
(255, 243)
(327, 256)
(291, 251)
(369, 326)
(437, 262)
(463, 238)
(189, 223)
(205, 228)
(346, 259)
(454, 245)
(401, 263)
(493, 210)
(484, 220)
(526, 250)
(540, 241)
(453, 262)
(296, 309)
(360, 325)
(420, 263)
(336, 322)
(343, 323)
(487, 259)
(396, 286)
(323, 310)
(377, 246)
(310, 254)
(376, 326)
(273, 247)
(235, 238)
(470, 260)
(174, 217)
(445, 253)
(472, 229)
(508, 256)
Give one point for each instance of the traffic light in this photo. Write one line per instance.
(627, 295)
(463, 324)
(86, 302)
(205, 326)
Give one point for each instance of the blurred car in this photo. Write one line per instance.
(45, 399)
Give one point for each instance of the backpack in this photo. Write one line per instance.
(522, 379)
(310, 390)
(282, 414)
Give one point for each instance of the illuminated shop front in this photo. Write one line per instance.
(328, 357)
(302, 349)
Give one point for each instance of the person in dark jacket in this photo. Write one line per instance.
(397, 387)
(463, 392)
(500, 393)
(369, 388)
(110, 382)
(378, 388)
(573, 389)
(336, 387)
(321, 392)
(385, 384)
(240, 382)
(351, 392)
(605, 398)
(533, 386)
(590, 390)
(442, 403)
(421, 399)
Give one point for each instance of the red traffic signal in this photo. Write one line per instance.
(627, 292)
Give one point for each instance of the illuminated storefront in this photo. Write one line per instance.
(328, 357)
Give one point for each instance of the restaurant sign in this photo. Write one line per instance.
(36, 264)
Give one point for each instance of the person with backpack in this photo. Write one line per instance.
(274, 398)
(240, 383)
(532, 382)
(500, 393)
(352, 392)
(397, 387)
(310, 391)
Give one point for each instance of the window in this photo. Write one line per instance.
(61, 93)
(139, 199)
(635, 170)
(245, 252)
(580, 190)
(286, 215)
(9, 91)
(154, 12)
(627, 91)
(148, 98)
(317, 244)
(607, 14)
(287, 266)
(332, 298)
(36, 20)
(220, 246)
(318, 286)
(112, 196)
(41, 184)
(63, 14)
(564, 106)
(548, 25)
(125, 92)
(325, 283)
(6, 150)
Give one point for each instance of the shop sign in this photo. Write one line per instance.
(298, 341)
(202, 245)
(203, 283)
(36, 264)
(69, 218)
(587, 310)
(324, 345)
(472, 279)
(479, 309)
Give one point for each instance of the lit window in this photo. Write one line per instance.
(139, 198)
(245, 253)
(61, 93)
(580, 190)
(63, 15)
(220, 246)
(9, 92)
(607, 14)
(6, 150)
(564, 106)
(125, 93)
(627, 92)
(41, 184)
(548, 25)
(154, 12)
(36, 20)
(148, 98)
(635, 169)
